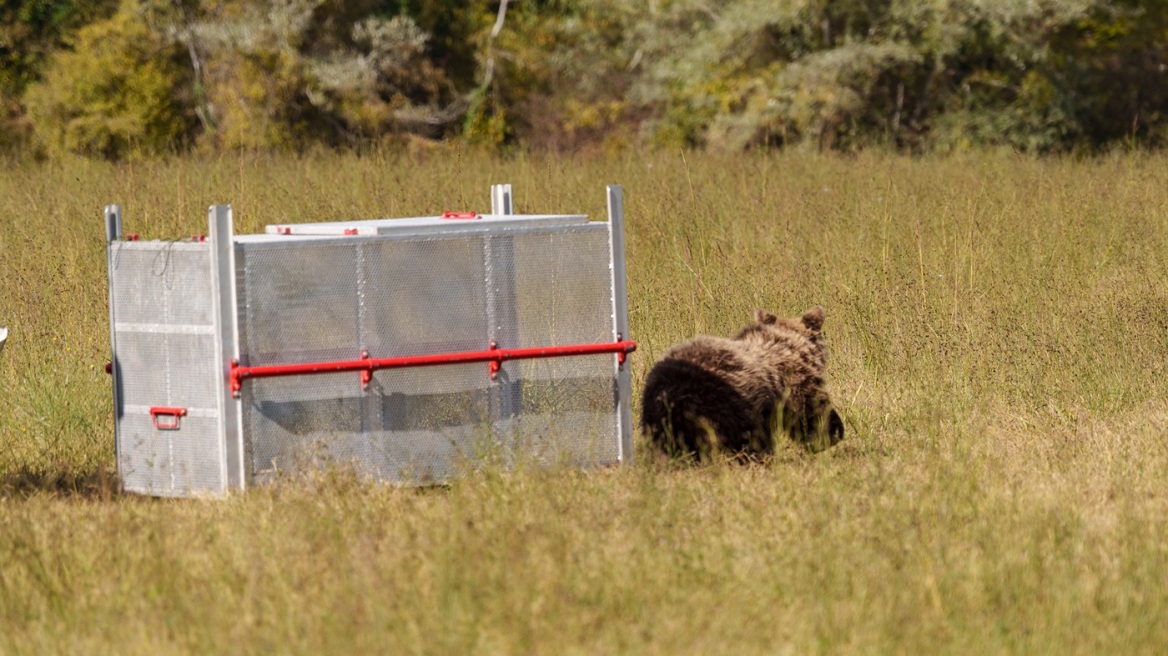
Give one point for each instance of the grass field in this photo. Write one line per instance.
(998, 330)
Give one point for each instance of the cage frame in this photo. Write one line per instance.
(231, 440)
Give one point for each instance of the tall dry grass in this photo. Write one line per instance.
(998, 329)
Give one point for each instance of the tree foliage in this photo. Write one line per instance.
(939, 74)
(289, 73)
(934, 75)
(119, 91)
(31, 31)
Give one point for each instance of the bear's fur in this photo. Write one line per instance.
(713, 393)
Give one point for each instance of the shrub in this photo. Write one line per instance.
(120, 90)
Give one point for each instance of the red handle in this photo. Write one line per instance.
(173, 413)
(459, 215)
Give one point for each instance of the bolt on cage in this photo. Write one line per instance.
(252, 341)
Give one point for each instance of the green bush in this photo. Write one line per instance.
(121, 90)
(1050, 75)
(32, 30)
(292, 74)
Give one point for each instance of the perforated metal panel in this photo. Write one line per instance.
(304, 300)
(163, 335)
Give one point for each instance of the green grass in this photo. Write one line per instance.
(998, 330)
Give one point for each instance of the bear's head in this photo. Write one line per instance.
(810, 324)
(818, 425)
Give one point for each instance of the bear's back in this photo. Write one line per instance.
(713, 392)
(709, 385)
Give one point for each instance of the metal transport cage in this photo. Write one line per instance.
(404, 348)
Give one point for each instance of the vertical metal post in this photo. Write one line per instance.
(370, 403)
(501, 200)
(113, 222)
(221, 236)
(620, 316)
(113, 232)
(501, 303)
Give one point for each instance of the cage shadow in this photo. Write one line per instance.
(92, 483)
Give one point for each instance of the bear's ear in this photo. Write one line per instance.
(813, 319)
(764, 317)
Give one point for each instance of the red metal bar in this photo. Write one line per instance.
(367, 365)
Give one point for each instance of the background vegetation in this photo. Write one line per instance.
(114, 79)
(997, 326)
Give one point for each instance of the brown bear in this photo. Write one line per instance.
(713, 393)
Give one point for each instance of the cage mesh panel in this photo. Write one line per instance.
(168, 462)
(145, 457)
(171, 369)
(566, 406)
(298, 306)
(162, 283)
(196, 460)
(424, 296)
(565, 409)
(296, 422)
(564, 287)
(166, 357)
(305, 301)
